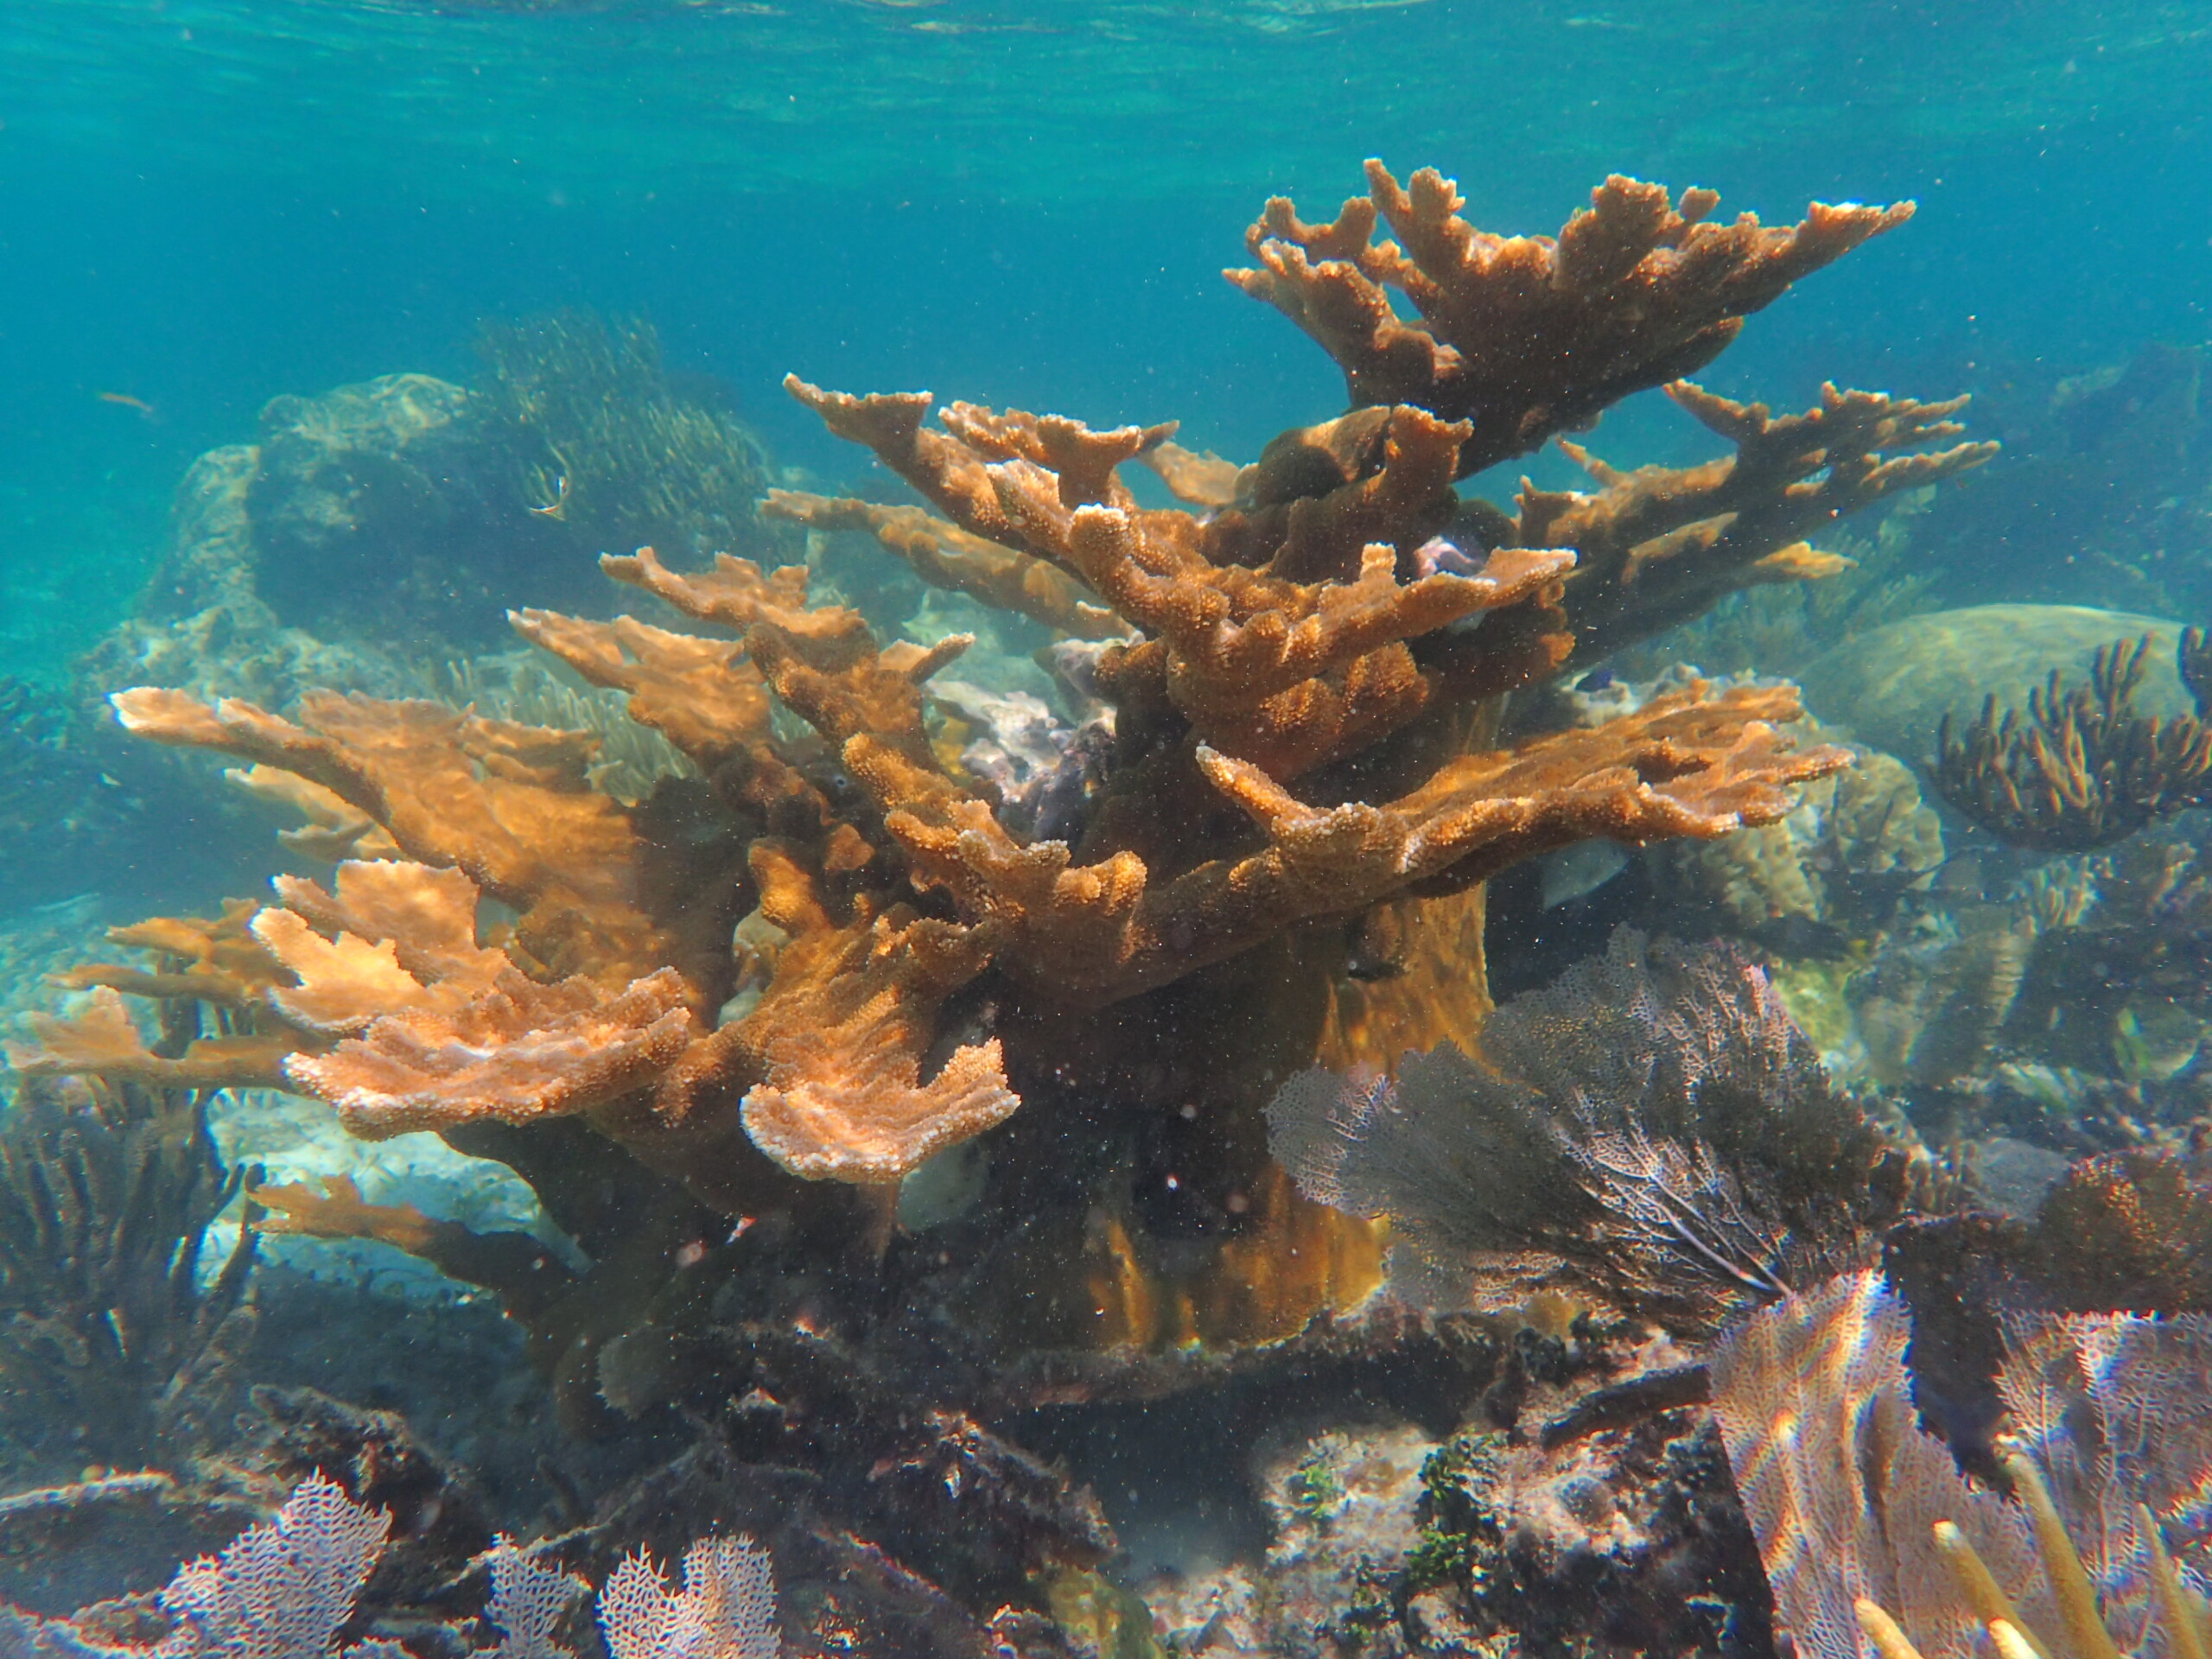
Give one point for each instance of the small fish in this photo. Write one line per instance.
(146, 410)
(559, 506)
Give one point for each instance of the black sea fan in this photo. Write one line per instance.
(1652, 1131)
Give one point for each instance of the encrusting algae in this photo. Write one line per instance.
(1303, 660)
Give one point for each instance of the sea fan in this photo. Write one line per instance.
(1875, 1545)
(726, 1608)
(284, 1589)
(1652, 1131)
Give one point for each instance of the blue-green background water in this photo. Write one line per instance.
(211, 201)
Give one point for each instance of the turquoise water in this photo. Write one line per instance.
(211, 203)
(1231, 1311)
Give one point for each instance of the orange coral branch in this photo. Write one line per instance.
(840, 693)
(1282, 627)
(103, 1041)
(513, 1263)
(1529, 335)
(838, 1041)
(339, 1211)
(508, 805)
(1660, 544)
(215, 960)
(735, 595)
(699, 694)
(515, 1052)
(1083, 461)
(945, 556)
(1198, 479)
(1685, 764)
(1236, 637)
(334, 829)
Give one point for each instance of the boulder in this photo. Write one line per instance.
(392, 503)
(1891, 688)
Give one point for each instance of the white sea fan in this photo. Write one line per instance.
(282, 1589)
(527, 1602)
(2117, 1410)
(726, 1608)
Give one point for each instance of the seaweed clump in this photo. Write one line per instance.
(1652, 1134)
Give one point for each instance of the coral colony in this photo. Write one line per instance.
(908, 1072)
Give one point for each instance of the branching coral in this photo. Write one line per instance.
(829, 941)
(1659, 545)
(2081, 768)
(1652, 1132)
(1525, 336)
(1857, 841)
(945, 556)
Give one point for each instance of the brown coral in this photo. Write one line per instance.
(1527, 336)
(102, 1040)
(839, 948)
(1660, 544)
(515, 1051)
(509, 805)
(1682, 766)
(700, 694)
(945, 556)
(840, 1038)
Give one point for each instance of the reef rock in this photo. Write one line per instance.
(1893, 685)
(378, 495)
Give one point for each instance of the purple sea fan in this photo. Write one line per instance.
(1652, 1132)
(2117, 1411)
